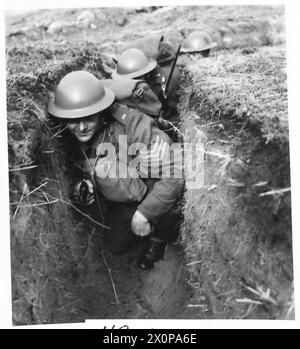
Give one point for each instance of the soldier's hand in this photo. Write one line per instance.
(84, 192)
(140, 225)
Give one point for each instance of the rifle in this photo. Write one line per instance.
(166, 85)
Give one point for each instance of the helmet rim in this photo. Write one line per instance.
(197, 41)
(190, 50)
(150, 66)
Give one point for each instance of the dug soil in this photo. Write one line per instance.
(234, 259)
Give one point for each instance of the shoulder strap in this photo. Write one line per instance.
(121, 113)
(135, 94)
(144, 99)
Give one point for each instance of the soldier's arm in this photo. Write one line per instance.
(165, 191)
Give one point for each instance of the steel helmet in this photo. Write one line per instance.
(197, 41)
(133, 63)
(79, 94)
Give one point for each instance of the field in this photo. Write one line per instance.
(235, 257)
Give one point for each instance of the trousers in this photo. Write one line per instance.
(120, 238)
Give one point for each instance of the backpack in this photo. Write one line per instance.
(135, 94)
(154, 47)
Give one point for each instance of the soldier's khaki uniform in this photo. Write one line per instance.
(158, 199)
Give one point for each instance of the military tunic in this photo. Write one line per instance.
(158, 199)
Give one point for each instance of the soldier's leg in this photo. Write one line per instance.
(166, 230)
(168, 227)
(120, 239)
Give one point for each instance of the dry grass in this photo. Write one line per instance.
(236, 269)
(246, 87)
(237, 227)
(231, 26)
(48, 238)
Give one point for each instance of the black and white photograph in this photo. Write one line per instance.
(149, 163)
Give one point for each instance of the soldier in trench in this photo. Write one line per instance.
(151, 62)
(198, 42)
(140, 206)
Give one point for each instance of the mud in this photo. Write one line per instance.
(131, 293)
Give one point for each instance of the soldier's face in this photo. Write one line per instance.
(148, 76)
(85, 128)
(205, 53)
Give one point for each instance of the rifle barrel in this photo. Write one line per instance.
(172, 69)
